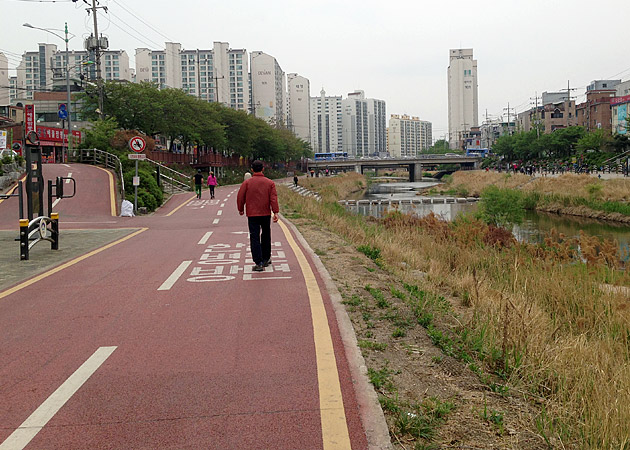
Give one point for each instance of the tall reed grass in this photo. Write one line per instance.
(539, 317)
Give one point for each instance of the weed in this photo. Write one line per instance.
(355, 300)
(319, 252)
(380, 378)
(437, 359)
(398, 294)
(399, 332)
(381, 301)
(376, 346)
(369, 251)
(370, 269)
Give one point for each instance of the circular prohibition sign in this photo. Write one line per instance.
(137, 144)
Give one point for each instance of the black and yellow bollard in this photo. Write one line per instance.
(54, 228)
(23, 239)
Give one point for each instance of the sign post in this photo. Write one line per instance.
(137, 144)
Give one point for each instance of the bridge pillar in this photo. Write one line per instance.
(358, 168)
(415, 172)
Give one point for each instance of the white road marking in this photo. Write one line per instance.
(69, 176)
(222, 205)
(170, 281)
(205, 238)
(220, 212)
(66, 165)
(46, 411)
(215, 221)
(55, 202)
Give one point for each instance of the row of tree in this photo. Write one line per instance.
(174, 114)
(561, 144)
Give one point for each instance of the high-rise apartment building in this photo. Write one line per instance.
(268, 91)
(4, 80)
(462, 95)
(45, 69)
(299, 106)
(408, 136)
(326, 124)
(217, 75)
(364, 127)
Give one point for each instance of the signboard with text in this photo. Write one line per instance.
(54, 136)
(29, 118)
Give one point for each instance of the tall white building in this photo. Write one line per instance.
(326, 124)
(4, 80)
(299, 106)
(408, 136)
(364, 128)
(268, 92)
(462, 95)
(44, 69)
(217, 75)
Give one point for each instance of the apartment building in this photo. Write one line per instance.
(596, 113)
(45, 69)
(326, 124)
(298, 108)
(408, 136)
(364, 127)
(268, 88)
(463, 101)
(4, 80)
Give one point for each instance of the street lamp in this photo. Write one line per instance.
(66, 39)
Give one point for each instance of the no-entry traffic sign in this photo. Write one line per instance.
(137, 144)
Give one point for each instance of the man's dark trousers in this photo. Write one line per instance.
(260, 238)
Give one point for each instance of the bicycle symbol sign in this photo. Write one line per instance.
(137, 144)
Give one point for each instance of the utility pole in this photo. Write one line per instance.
(96, 45)
(536, 115)
(508, 121)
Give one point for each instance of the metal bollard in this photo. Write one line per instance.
(24, 239)
(54, 226)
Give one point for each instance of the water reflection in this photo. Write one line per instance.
(385, 197)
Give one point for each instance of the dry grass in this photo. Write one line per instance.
(554, 333)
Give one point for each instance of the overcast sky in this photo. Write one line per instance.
(395, 51)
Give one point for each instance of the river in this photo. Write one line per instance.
(388, 196)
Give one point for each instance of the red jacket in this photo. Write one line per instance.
(257, 196)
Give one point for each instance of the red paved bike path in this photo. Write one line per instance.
(212, 362)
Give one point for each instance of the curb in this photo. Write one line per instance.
(372, 417)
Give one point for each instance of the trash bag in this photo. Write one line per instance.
(126, 209)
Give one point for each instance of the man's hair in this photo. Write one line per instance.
(257, 166)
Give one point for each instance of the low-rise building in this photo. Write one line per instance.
(595, 113)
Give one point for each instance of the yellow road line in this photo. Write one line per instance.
(173, 212)
(112, 192)
(334, 427)
(66, 265)
(12, 190)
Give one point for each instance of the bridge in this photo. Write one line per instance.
(413, 165)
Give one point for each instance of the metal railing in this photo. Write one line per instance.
(175, 180)
(100, 157)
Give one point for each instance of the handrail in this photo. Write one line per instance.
(621, 155)
(178, 179)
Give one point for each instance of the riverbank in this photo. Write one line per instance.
(576, 195)
(471, 339)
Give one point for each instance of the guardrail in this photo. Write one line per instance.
(172, 177)
(100, 157)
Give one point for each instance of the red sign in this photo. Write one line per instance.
(29, 119)
(618, 100)
(137, 144)
(53, 136)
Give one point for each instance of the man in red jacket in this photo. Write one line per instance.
(259, 198)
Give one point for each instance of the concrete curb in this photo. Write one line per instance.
(370, 411)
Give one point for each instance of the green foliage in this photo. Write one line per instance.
(100, 134)
(371, 252)
(501, 207)
(174, 114)
(378, 346)
(149, 193)
(596, 140)
(380, 378)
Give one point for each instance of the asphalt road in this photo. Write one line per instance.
(153, 332)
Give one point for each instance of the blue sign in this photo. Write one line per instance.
(62, 112)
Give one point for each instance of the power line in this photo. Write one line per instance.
(143, 21)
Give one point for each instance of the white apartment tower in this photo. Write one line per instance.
(408, 136)
(462, 95)
(363, 125)
(217, 75)
(4, 80)
(326, 124)
(299, 106)
(268, 92)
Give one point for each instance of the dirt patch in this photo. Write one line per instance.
(413, 377)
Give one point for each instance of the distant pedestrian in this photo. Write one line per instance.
(295, 180)
(198, 180)
(212, 183)
(258, 197)
(247, 176)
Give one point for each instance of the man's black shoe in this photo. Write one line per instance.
(258, 268)
(266, 263)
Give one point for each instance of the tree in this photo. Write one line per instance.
(100, 134)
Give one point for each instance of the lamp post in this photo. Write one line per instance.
(64, 153)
